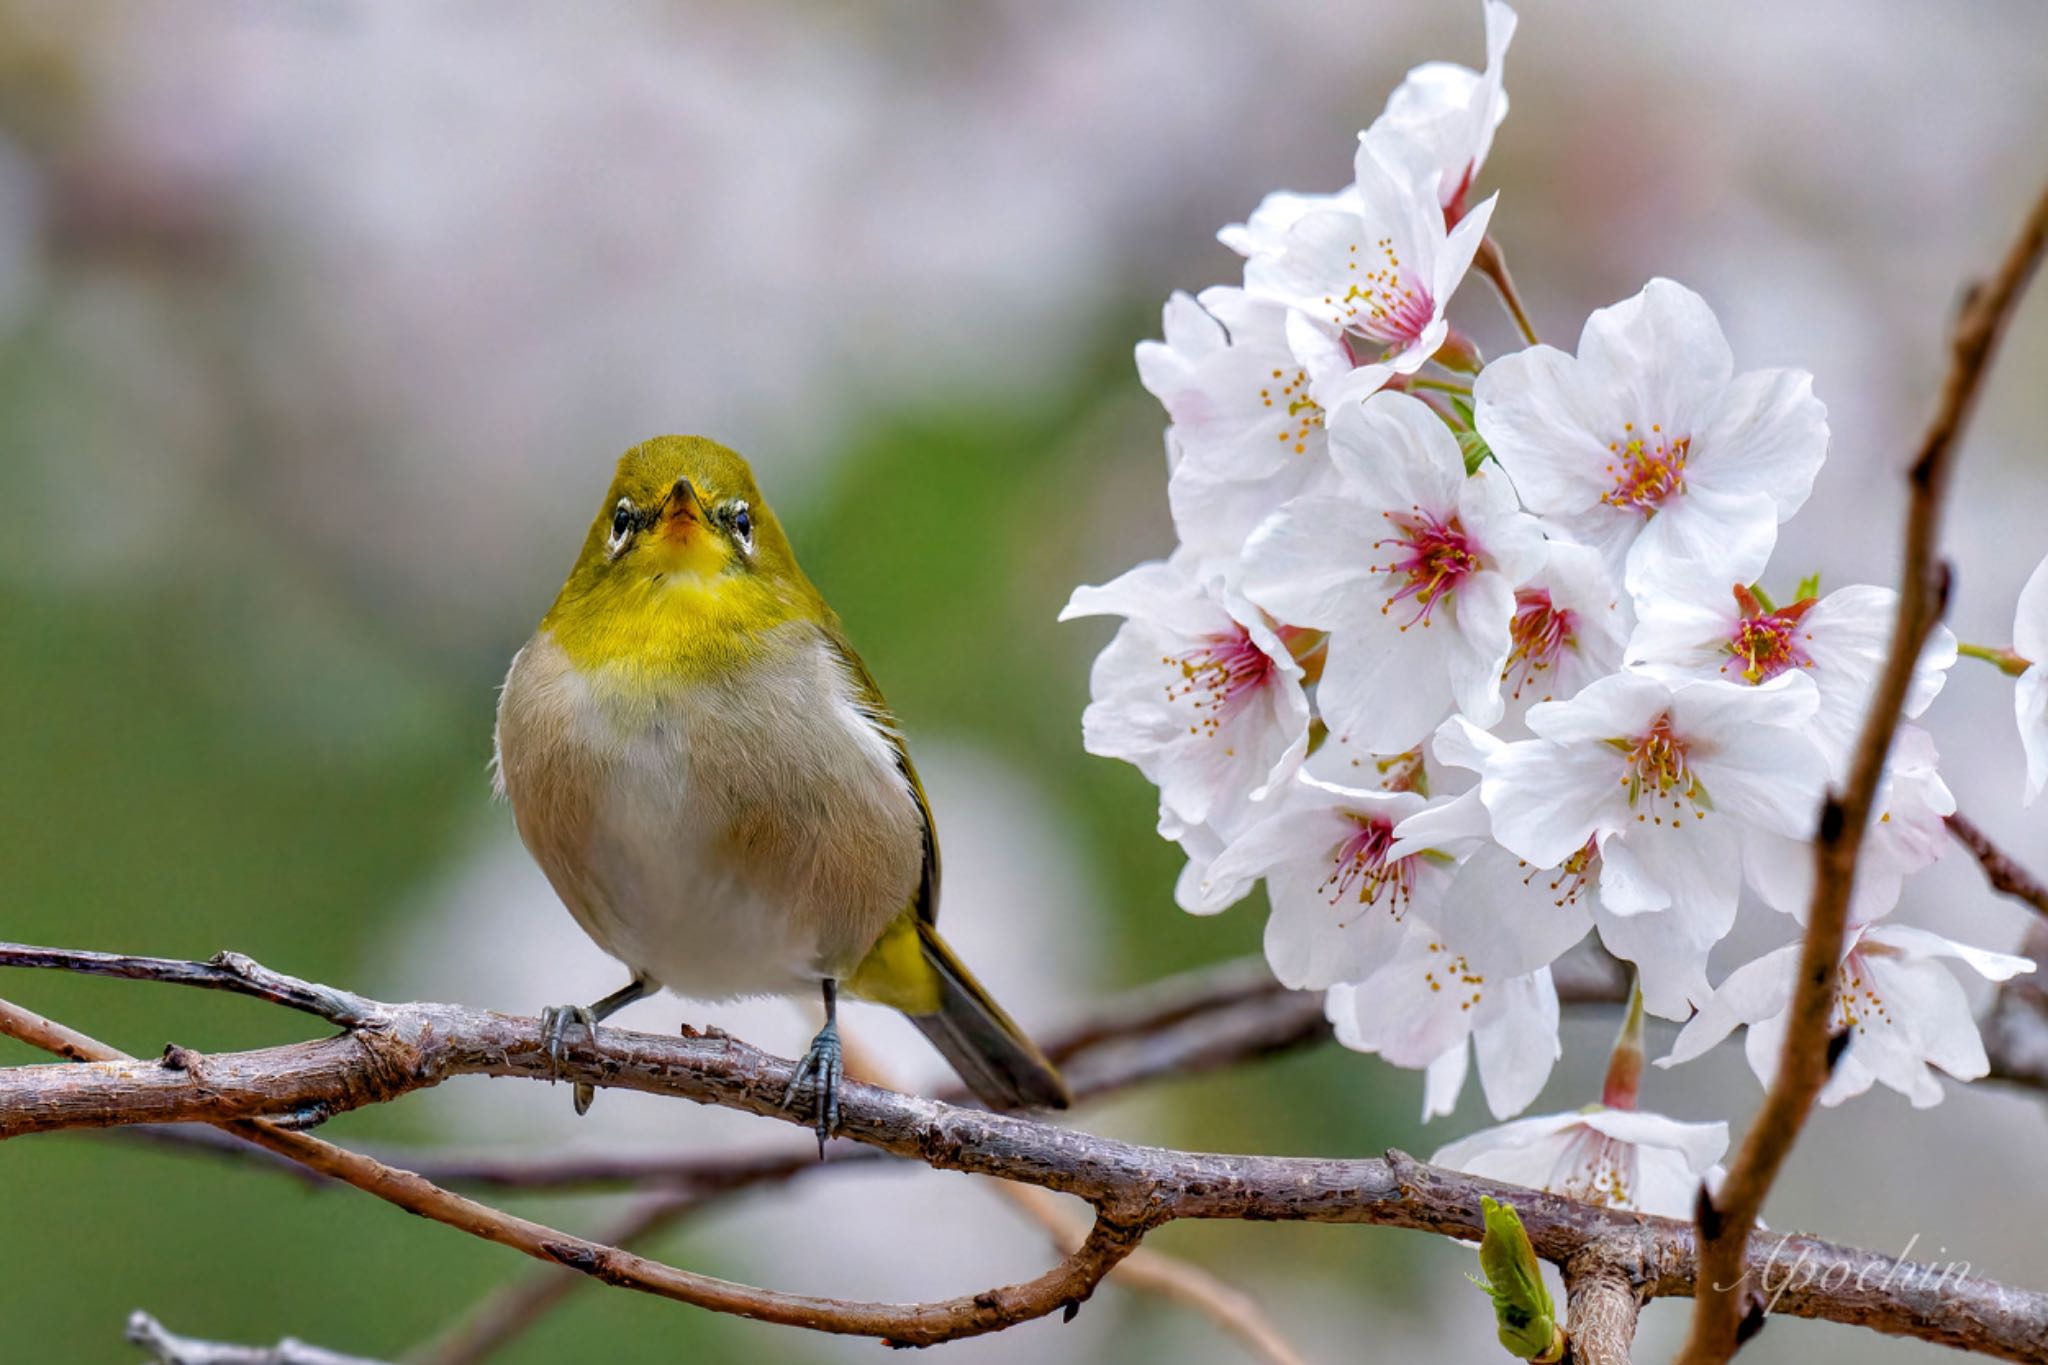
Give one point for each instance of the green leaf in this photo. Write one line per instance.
(1809, 587)
(1477, 452)
(1522, 1308)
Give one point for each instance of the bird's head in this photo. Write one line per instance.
(685, 554)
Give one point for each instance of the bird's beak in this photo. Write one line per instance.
(681, 511)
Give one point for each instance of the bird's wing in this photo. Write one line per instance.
(874, 708)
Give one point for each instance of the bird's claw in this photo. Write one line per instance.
(820, 1071)
(554, 1025)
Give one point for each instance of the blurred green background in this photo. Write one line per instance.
(321, 324)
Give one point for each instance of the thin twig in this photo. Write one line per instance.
(1134, 1187)
(1493, 264)
(2006, 876)
(514, 1307)
(1727, 1216)
(169, 1349)
(1146, 1270)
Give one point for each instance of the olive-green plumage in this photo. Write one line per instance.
(713, 783)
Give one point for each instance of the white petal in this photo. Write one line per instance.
(1398, 454)
(1734, 531)
(1442, 1081)
(1665, 348)
(1769, 435)
(1548, 799)
(1701, 1144)
(1507, 917)
(2030, 703)
(1307, 564)
(1515, 1037)
(1522, 1152)
(1753, 992)
(1387, 683)
(1548, 427)
(2030, 617)
(1920, 943)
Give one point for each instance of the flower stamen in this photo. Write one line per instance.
(1647, 470)
(1432, 558)
(1539, 634)
(1216, 678)
(1360, 866)
(1659, 778)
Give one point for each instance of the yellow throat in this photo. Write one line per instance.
(684, 574)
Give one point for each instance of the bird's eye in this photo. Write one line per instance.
(743, 525)
(624, 519)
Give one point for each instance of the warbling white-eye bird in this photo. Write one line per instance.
(716, 789)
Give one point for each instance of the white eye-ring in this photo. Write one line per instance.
(742, 522)
(625, 521)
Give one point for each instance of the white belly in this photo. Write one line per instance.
(750, 837)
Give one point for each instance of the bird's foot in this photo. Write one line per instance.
(554, 1025)
(820, 1071)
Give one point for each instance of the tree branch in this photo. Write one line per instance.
(1065, 1286)
(1600, 1308)
(2006, 877)
(1133, 1187)
(1727, 1216)
(168, 1349)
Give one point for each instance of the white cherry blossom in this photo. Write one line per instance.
(1658, 785)
(1570, 626)
(1618, 1157)
(1410, 564)
(1246, 435)
(1196, 690)
(1648, 445)
(1452, 111)
(1693, 624)
(1506, 917)
(1428, 1007)
(2030, 694)
(1903, 1011)
(1340, 900)
(1367, 272)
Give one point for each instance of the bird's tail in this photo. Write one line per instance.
(1001, 1065)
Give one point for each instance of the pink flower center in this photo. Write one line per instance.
(1431, 558)
(1767, 643)
(1539, 634)
(1304, 414)
(1382, 302)
(1216, 678)
(1359, 866)
(1647, 470)
(1659, 778)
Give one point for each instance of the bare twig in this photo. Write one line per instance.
(1133, 1187)
(512, 1309)
(2006, 876)
(1145, 1270)
(168, 1349)
(1727, 1216)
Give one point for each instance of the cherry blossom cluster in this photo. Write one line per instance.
(1468, 660)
